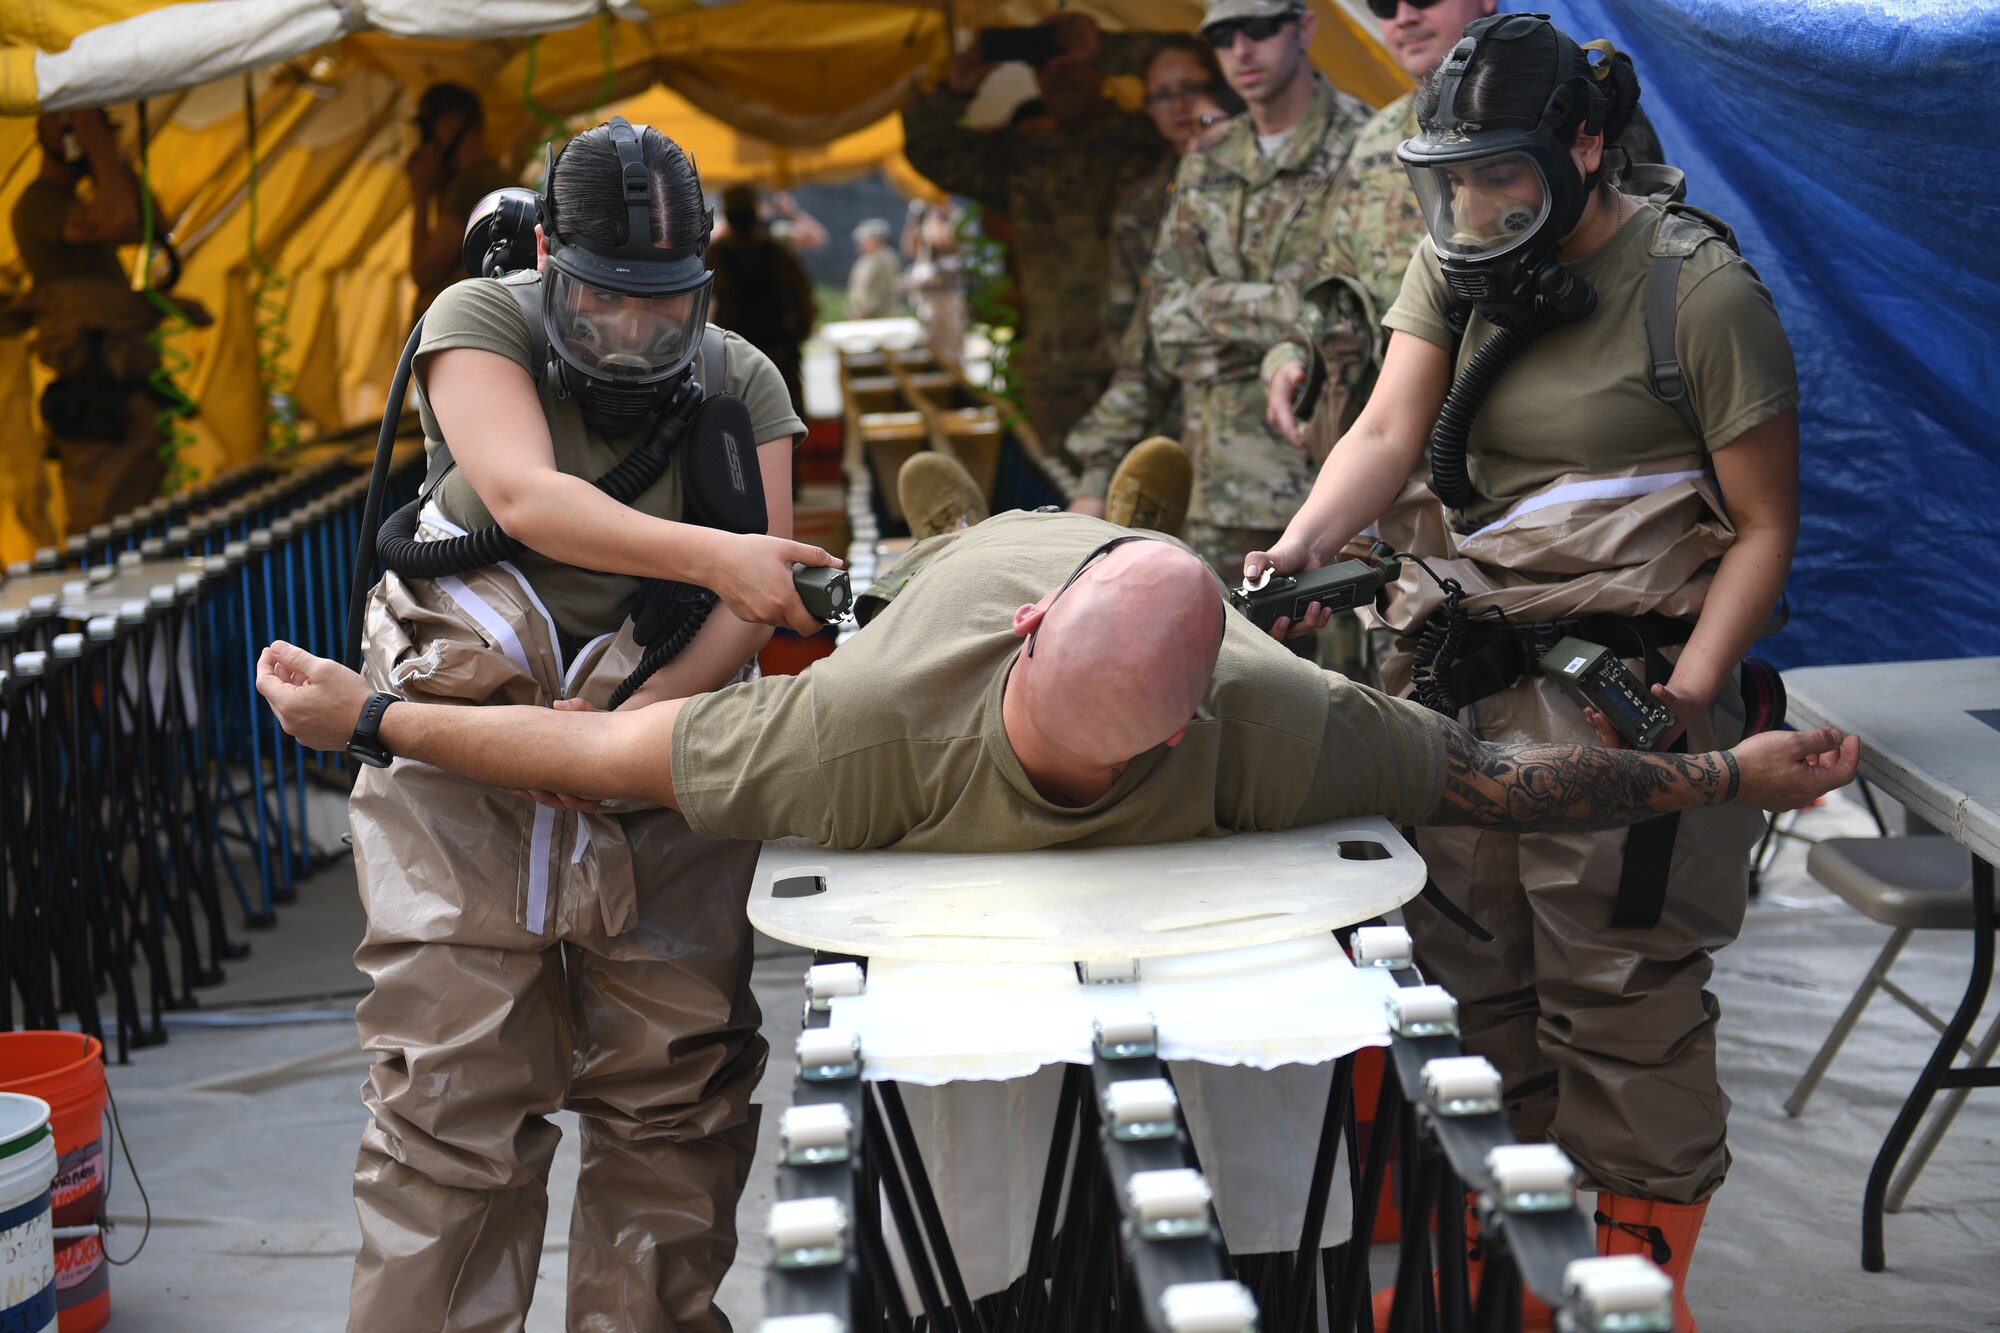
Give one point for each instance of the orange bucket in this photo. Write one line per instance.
(66, 1070)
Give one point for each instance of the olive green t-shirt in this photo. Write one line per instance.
(38, 219)
(897, 739)
(1578, 399)
(480, 313)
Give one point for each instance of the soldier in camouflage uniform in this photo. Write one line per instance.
(1185, 96)
(873, 291)
(1245, 230)
(1058, 188)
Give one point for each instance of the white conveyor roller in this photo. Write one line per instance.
(1624, 1293)
(1167, 1205)
(1382, 946)
(1141, 1108)
(1123, 1034)
(1461, 1085)
(1422, 1011)
(1532, 1177)
(804, 1323)
(829, 1053)
(808, 1233)
(827, 980)
(815, 1133)
(1209, 1307)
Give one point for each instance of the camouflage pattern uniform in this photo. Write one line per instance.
(1058, 188)
(1242, 235)
(1375, 223)
(872, 292)
(1135, 226)
(1143, 400)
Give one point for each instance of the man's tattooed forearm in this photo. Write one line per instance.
(1563, 788)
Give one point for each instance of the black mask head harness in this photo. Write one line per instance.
(1500, 193)
(623, 320)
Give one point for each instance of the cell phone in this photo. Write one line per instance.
(1036, 45)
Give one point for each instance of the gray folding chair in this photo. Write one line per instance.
(1920, 883)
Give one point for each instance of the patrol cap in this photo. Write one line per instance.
(1219, 11)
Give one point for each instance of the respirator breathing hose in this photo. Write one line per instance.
(378, 479)
(402, 553)
(666, 650)
(1565, 299)
(1449, 479)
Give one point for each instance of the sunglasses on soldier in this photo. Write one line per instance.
(1386, 9)
(1222, 35)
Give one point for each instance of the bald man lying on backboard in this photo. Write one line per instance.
(995, 706)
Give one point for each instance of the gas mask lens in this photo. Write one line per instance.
(1483, 207)
(621, 337)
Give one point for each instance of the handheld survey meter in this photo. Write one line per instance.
(825, 592)
(1593, 675)
(1338, 587)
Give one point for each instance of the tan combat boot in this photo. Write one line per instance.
(938, 495)
(1150, 489)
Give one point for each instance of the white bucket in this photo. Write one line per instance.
(27, 1243)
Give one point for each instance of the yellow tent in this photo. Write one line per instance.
(302, 259)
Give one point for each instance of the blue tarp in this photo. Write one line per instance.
(1855, 147)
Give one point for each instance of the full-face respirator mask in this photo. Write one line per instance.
(1499, 195)
(623, 322)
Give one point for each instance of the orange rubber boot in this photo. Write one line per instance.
(1663, 1232)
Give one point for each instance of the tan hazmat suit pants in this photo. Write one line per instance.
(1604, 1038)
(525, 960)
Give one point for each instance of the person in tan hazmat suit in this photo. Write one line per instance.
(1631, 480)
(524, 959)
(998, 705)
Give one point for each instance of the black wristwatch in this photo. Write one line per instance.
(364, 745)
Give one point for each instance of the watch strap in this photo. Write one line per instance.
(366, 745)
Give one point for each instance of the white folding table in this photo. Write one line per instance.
(1930, 737)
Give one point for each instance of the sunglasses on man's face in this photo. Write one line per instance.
(1386, 9)
(1222, 35)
